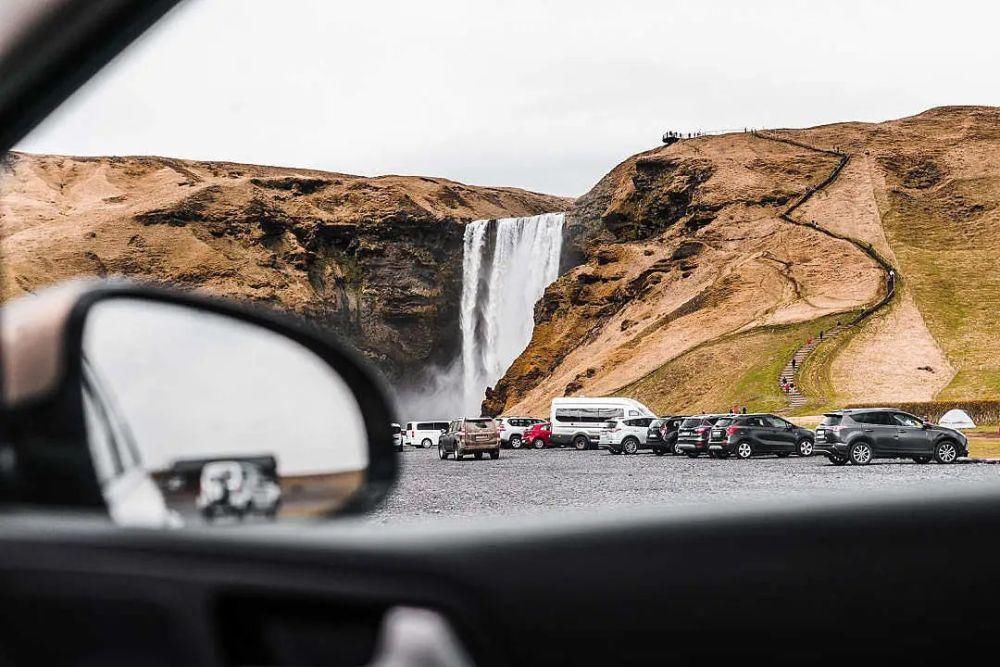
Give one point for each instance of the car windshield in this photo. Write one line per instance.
(581, 213)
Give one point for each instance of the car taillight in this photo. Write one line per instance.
(835, 429)
(730, 430)
(702, 431)
(501, 427)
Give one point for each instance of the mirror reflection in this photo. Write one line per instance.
(199, 417)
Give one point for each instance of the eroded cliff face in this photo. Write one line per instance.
(378, 260)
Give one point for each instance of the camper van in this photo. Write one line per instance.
(578, 421)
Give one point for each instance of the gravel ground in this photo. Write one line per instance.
(528, 481)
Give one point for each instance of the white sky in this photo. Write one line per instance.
(543, 95)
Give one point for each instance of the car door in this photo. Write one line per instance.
(885, 433)
(911, 436)
(782, 434)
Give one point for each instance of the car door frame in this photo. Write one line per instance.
(914, 440)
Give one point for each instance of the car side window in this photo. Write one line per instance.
(904, 419)
(775, 422)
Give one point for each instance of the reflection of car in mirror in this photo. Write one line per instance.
(236, 488)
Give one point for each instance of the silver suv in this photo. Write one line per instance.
(863, 434)
(511, 430)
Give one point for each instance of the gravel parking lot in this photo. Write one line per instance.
(528, 481)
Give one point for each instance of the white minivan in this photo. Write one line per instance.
(579, 420)
(424, 434)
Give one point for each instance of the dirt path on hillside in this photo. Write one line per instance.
(894, 356)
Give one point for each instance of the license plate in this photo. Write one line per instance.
(482, 438)
(716, 434)
(685, 433)
(821, 435)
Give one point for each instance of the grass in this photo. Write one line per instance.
(738, 369)
(948, 259)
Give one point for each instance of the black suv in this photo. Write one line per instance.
(692, 435)
(861, 435)
(747, 435)
(662, 435)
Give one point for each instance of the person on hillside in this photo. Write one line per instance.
(821, 334)
(744, 411)
(794, 363)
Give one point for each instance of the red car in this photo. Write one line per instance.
(539, 435)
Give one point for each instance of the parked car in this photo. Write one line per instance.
(626, 436)
(539, 436)
(511, 430)
(579, 420)
(470, 435)
(749, 435)
(693, 432)
(236, 488)
(397, 436)
(860, 435)
(424, 434)
(662, 434)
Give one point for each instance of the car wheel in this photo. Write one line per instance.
(805, 447)
(837, 460)
(659, 452)
(630, 446)
(441, 452)
(922, 459)
(458, 454)
(538, 443)
(784, 455)
(744, 450)
(580, 443)
(677, 452)
(946, 452)
(479, 456)
(426, 443)
(515, 442)
(860, 454)
(693, 455)
(495, 454)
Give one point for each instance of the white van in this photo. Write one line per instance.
(579, 420)
(424, 434)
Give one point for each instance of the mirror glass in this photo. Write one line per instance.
(195, 417)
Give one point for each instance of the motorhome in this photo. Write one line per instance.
(578, 420)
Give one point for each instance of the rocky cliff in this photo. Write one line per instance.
(377, 259)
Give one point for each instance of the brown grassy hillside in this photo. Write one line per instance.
(689, 278)
(377, 259)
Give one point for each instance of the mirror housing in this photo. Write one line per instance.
(46, 383)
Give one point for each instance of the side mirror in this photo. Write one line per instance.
(168, 408)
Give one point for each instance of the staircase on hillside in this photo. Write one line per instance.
(795, 398)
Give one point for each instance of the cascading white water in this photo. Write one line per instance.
(506, 266)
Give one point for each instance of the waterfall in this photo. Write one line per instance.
(506, 266)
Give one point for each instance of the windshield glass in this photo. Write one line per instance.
(553, 211)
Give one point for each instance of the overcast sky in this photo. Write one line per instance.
(542, 95)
